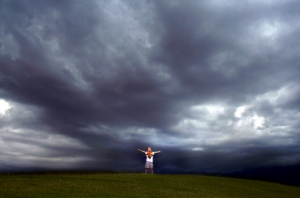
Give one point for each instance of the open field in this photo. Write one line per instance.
(137, 185)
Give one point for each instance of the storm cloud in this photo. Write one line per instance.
(213, 84)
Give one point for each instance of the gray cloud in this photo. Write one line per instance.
(213, 85)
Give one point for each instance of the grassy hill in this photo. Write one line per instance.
(138, 185)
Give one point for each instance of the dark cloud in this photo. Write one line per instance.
(213, 85)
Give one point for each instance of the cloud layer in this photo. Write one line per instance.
(213, 85)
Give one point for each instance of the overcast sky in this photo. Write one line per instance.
(214, 84)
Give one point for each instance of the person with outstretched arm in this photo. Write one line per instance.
(149, 159)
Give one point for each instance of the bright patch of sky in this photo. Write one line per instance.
(269, 29)
(248, 120)
(212, 110)
(239, 111)
(4, 106)
(197, 149)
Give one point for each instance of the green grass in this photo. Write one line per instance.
(138, 185)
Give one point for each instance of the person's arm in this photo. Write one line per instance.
(141, 150)
(156, 152)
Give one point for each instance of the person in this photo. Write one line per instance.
(149, 159)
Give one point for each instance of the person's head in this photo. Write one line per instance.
(149, 149)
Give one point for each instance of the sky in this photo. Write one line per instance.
(213, 85)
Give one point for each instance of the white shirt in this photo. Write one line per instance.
(147, 158)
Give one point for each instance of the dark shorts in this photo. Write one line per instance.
(149, 165)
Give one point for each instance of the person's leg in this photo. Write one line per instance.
(147, 165)
(151, 167)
